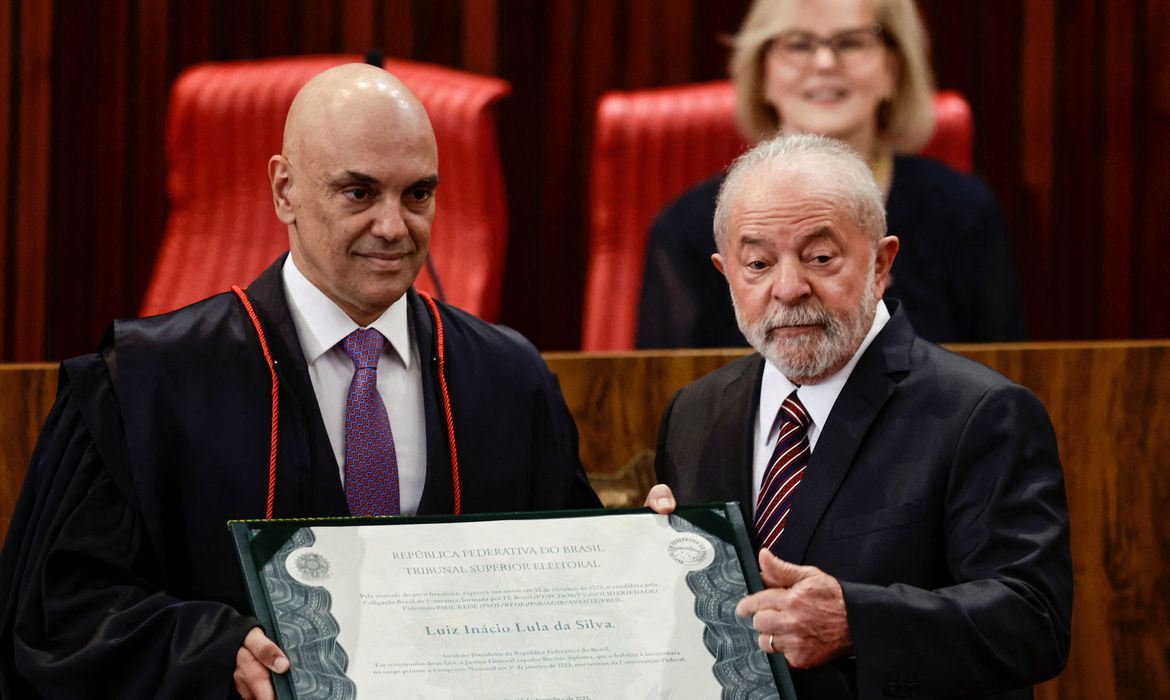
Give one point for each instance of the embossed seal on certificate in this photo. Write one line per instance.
(691, 551)
(312, 566)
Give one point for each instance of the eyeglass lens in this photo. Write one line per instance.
(848, 46)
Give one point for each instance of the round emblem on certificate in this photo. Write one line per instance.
(311, 566)
(691, 551)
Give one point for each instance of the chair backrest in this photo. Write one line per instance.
(226, 119)
(650, 146)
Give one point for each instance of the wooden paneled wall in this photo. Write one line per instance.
(26, 395)
(1071, 100)
(1109, 403)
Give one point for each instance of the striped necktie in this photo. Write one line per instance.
(785, 470)
(371, 466)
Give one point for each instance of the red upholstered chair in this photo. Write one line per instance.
(226, 119)
(650, 146)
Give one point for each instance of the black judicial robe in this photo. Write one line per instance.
(118, 577)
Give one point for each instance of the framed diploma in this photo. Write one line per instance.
(594, 605)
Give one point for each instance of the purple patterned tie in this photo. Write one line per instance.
(785, 470)
(371, 467)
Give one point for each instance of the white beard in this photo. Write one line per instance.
(806, 360)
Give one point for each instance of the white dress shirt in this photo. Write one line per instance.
(321, 326)
(818, 400)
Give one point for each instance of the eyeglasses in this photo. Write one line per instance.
(851, 47)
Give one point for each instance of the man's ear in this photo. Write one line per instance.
(717, 261)
(887, 250)
(280, 178)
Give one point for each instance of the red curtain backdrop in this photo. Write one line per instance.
(1071, 101)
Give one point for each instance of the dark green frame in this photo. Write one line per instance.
(258, 540)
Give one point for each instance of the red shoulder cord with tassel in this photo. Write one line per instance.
(446, 399)
(275, 402)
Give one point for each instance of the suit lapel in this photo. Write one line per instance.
(862, 398)
(725, 467)
(305, 450)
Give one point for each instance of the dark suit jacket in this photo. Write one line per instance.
(953, 273)
(935, 495)
(118, 577)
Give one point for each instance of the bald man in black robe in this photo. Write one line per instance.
(118, 577)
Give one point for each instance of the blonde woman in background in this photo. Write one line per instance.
(856, 70)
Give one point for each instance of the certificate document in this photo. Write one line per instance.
(581, 604)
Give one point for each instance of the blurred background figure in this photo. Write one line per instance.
(856, 70)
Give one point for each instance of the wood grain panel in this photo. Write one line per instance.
(26, 395)
(618, 398)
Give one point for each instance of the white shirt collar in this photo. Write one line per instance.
(818, 399)
(321, 324)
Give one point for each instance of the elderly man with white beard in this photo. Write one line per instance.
(908, 504)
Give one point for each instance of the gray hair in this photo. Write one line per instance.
(828, 160)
